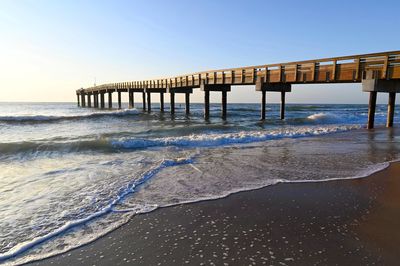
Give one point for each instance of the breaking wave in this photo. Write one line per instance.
(323, 117)
(209, 140)
(110, 144)
(55, 118)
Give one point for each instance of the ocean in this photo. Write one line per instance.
(69, 175)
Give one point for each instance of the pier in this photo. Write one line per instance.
(377, 72)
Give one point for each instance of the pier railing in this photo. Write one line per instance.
(345, 69)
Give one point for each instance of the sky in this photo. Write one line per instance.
(48, 49)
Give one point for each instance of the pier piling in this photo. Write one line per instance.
(102, 102)
(373, 85)
(148, 102)
(83, 101)
(119, 100)
(89, 99)
(131, 99)
(162, 102)
(391, 104)
(206, 105)
(371, 109)
(172, 103)
(263, 103)
(224, 101)
(96, 100)
(110, 100)
(223, 88)
(187, 103)
(273, 87)
(78, 100)
(283, 105)
(144, 101)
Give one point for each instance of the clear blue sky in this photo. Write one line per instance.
(48, 49)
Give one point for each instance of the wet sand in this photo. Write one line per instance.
(345, 222)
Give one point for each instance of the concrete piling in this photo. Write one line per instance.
(224, 103)
(148, 102)
(206, 105)
(110, 104)
(89, 99)
(187, 103)
(283, 105)
(162, 102)
(391, 105)
(263, 103)
(371, 109)
(144, 101)
(119, 100)
(172, 103)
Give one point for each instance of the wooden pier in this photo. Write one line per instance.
(378, 72)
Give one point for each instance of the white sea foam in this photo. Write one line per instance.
(142, 208)
(323, 116)
(209, 140)
(130, 188)
(361, 174)
(43, 118)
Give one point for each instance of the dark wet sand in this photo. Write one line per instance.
(347, 222)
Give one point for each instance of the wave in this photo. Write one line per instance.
(194, 140)
(123, 193)
(51, 118)
(296, 107)
(32, 148)
(323, 117)
(211, 140)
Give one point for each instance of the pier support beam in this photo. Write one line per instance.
(390, 113)
(283, 94)
(119, 100)
(148, 102)
(187, 91)
(102, 102)
(206, 105)
(373, 86)
(371, 109)
(96, 99)
(172, 103)
(274, 87)
(223, 107)
(224, 88)
(187, 103)
(89, 99)
(131, 99)
(78, 100)
(263, 103)
(162, 102)
(110, 99)
(144, 101)
(83, 101)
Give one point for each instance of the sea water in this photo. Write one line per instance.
(69, 175)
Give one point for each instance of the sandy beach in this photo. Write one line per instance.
(344, 222)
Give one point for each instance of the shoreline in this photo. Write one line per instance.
(350, 186)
